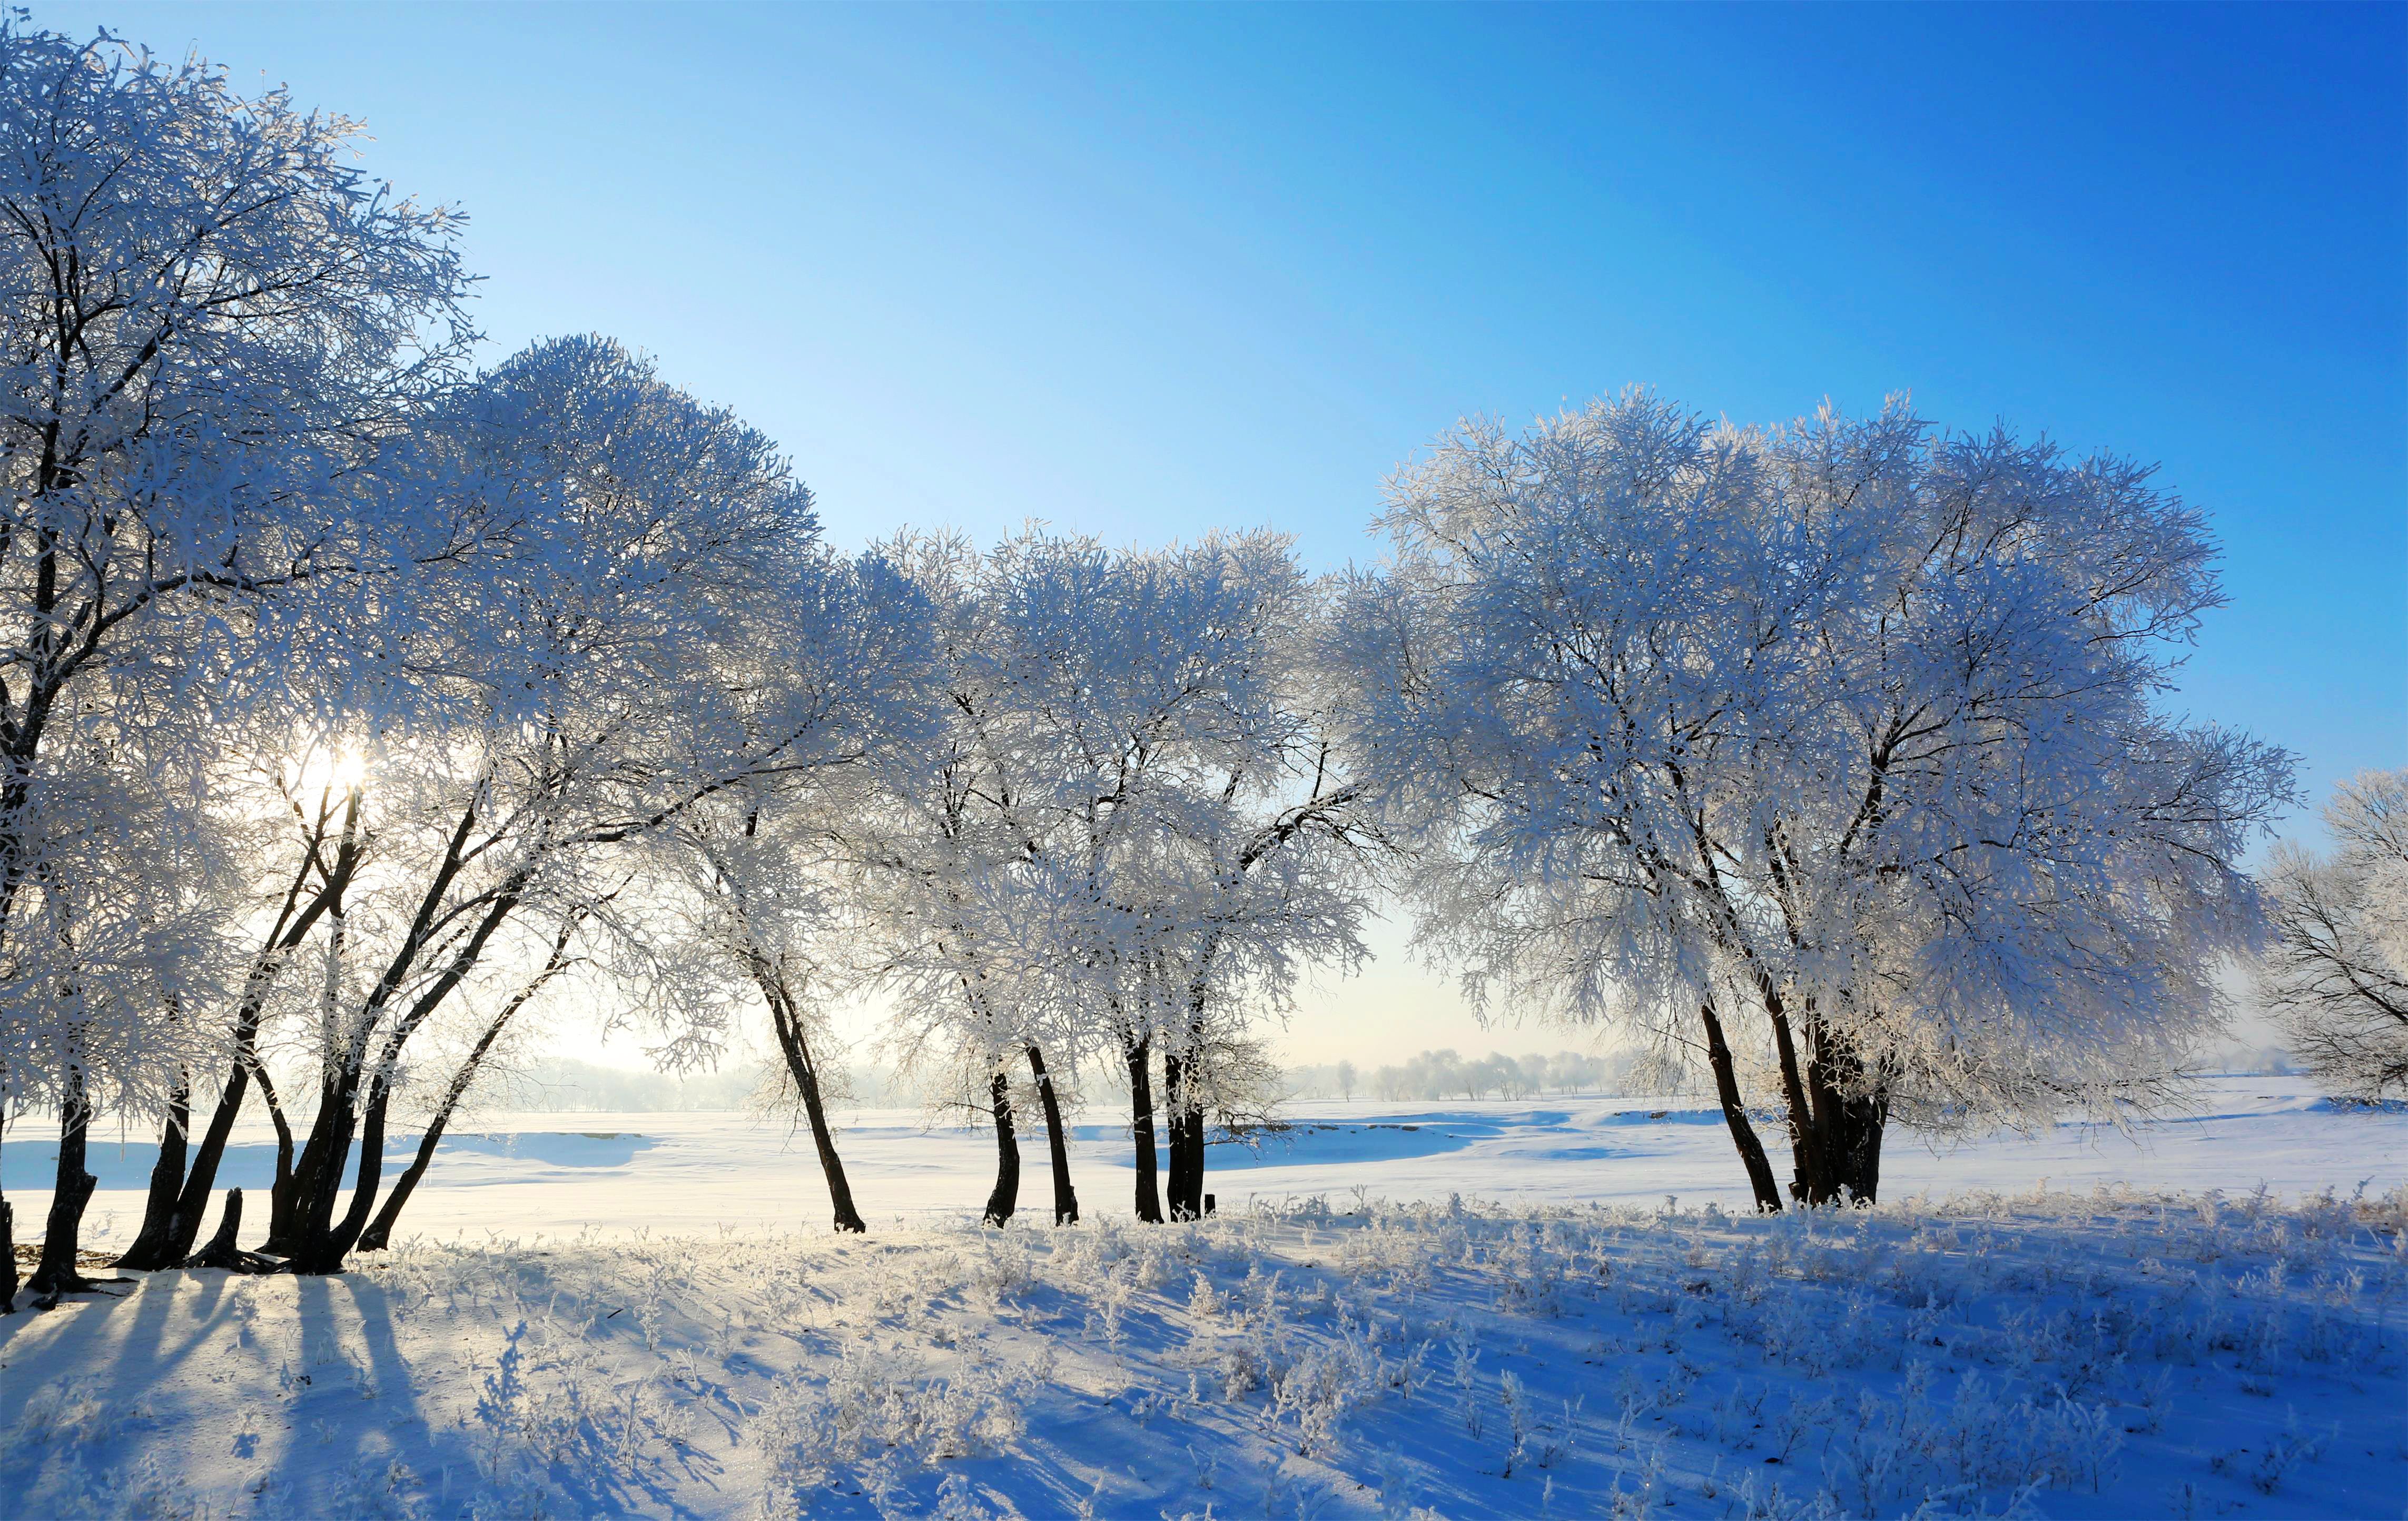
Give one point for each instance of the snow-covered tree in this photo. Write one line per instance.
(1826, 752)
(585, 712)
(1151, 694)
(2337, 971)
(757, 872)
(1119, 835)
(211, 324)
(956, 921)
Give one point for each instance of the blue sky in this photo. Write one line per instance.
(1144, 271)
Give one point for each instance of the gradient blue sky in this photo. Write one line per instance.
(1144, 271)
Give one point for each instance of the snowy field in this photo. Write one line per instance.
(1463, 1310)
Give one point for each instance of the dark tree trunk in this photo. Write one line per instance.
(326, 1241)
(1851, 1111)
(223, 1246)
(283, 1222)
(201, 1171)
(1186, 1139)
(379, 1232)
(1751, 1150)
(160, 1222)
(1806, 1174)
(56, 1274)
(1140, 1076)
(223, 1252)
(324, 1254)
(1187, 1142)
(1057, 1149)
(379, 1235)
(1837, 1109)
(1174, 1186)
(317, 1178)
(846, 1218)
(795, 1046)
(1006, 1198)
(7, 1258)
(1857, 1148)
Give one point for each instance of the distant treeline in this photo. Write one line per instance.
(564, 1085)
(1444, 1074)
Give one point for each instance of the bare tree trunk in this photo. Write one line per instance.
(160, 1222)
(1751, 1150)
(324, 1251)
(7, 1258)
(223, 1247)
(1066, 1198)
(223, 1252)
(846, 1218)
(793, 1043)
(1188, 1163)
(1140, 1075)
(56, 1274)
(1186, 1139)
(1807, 1182)
(317, 1176)
(1006, 1198)
(379, 1234)
(1851, 1111)
(282, 1220)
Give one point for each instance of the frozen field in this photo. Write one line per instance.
(1460, 1309)
(677, 1174)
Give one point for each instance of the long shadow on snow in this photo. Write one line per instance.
(440, 1455)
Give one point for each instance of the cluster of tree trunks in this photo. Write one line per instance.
(1837, 1111)
(1186, 1185)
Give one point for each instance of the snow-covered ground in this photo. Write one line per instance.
(678, 1174)
(1473, 1309)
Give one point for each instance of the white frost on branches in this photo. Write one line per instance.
(2337, 971)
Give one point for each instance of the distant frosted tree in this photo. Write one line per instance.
(2337, 971)
(1829, 747)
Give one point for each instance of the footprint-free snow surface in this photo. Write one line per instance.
(1482, 1309)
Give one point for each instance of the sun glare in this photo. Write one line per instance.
(335, 770)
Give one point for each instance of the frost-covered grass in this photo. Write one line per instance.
(2113, 1353)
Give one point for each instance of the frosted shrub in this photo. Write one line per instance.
(378, 1489)
(68, 1410)
(1321, 1386)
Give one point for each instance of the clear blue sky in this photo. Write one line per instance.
(1147, 270)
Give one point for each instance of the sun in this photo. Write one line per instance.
(335, 770)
